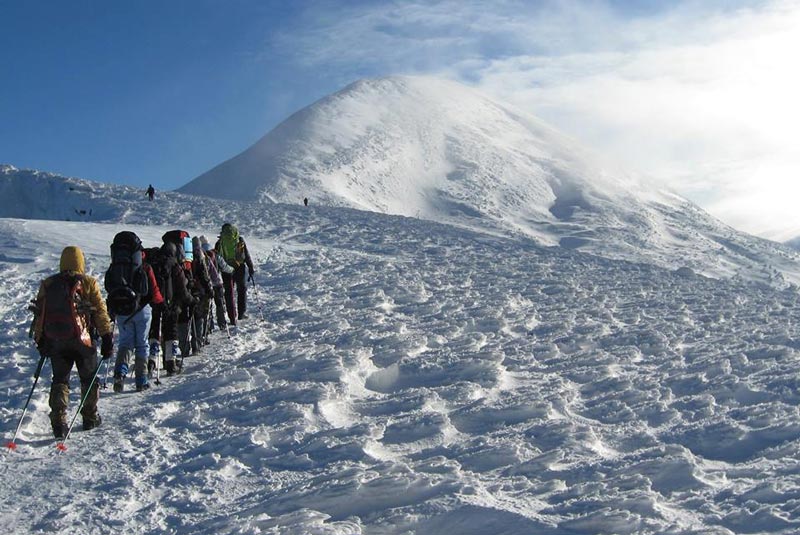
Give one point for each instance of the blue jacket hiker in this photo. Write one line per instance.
(132, 289)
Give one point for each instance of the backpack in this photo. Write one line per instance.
(126, 281)
(182, 241)
(162, 270)
(228, 244)
(232, 246)
(65, 314)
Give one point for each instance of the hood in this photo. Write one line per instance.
(72, 260)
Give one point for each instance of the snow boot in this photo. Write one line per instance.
(119, 383)
(60, 429)
(91, 423)
(120, 372)
(142, 384)
(171, 352)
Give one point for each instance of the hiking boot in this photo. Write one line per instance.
(91, 423)
(151, 367)
(60, 429)
(142, 388)
(243, 316)
(119, 383)
(169, 366)
(176, 349)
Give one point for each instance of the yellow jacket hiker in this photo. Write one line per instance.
(69, 308)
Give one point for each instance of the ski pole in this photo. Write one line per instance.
(13, 444)
(104, 384)
(260, 305)
(193, 326)
(62, 446)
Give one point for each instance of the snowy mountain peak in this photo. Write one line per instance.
(438, 150)
(416, 146)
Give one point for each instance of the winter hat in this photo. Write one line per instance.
(72, 259)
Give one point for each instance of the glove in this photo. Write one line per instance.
(107, 346)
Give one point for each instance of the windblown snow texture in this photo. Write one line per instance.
(415, 377)
(411, 376)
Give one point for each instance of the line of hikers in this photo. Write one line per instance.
(160, 299)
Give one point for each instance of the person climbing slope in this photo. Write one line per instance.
(216, 267)
(233, 249)
(132, 292)
(69, 308)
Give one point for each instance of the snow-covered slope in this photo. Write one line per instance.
(441, 151)
(411, 377)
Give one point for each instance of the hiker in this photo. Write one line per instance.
(305, 201)
(175, 311)
(132, 292)
(151, 192)
(203, 292)
(185, 254)
(69, 308)
(161, 266)
(216, 267)
(234, 251)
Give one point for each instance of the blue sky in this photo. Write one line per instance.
(700, 95)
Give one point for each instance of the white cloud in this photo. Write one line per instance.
(701, 96)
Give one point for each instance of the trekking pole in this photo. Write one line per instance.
(195, 339)
(62, 446)
(104, 384)
(260, 305)
(13, 444)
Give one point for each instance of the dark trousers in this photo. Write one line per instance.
(219, 307)
(169, 324)
(240, 280)
(230, 303)
(62, 360)
(155, 325)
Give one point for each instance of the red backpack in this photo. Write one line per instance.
(65, 311)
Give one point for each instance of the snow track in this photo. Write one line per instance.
(414, 378)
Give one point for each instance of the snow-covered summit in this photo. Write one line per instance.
(439, 150)
(417, 146)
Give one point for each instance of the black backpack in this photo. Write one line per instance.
(126, 281)
(162, 269)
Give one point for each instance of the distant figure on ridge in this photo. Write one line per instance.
(305, 201)
(151, 192)
(69, 308)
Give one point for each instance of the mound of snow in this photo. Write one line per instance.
(412, 377)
